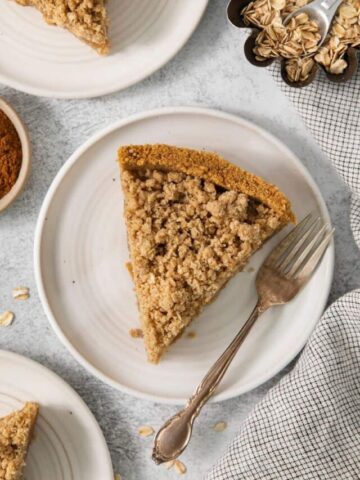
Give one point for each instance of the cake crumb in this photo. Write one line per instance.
(136, 333)
(191, 335)
(129, 268)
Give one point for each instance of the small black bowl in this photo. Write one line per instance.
(234, 10)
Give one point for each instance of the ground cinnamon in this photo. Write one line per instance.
(10, 154)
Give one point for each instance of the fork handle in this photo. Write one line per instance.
(173, 437)
(214, 376)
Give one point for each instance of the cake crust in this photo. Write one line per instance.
(208, 166)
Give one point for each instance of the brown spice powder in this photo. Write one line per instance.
(10, 154)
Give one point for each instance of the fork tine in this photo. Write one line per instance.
(278, 252)
(304, 251)
(311, 262)
(295, 248)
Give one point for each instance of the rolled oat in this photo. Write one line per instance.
(6, 318)
(20, 293)
(220, 426)
(146, 431)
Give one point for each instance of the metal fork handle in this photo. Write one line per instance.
(214, 376)
(175, 434)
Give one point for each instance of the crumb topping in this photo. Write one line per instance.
(87, 19)
(187, 237)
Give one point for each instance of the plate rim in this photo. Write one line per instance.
(101, 91)
(42, 368)
(195, 110)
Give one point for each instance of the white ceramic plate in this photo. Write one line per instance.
(68, 443)
(48, 61)
(87, 293)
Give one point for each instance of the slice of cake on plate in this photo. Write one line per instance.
(15, 436)
(86, 19)
(193, 221)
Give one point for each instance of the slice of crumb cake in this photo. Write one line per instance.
(86, 19)
(193, 221)
(15, 436)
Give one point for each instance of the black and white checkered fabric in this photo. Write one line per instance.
(308, 426)
(332, 113)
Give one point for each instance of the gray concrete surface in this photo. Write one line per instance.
(209, 71)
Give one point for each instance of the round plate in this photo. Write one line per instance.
(87, 292)
(68, 443)
(48, 61)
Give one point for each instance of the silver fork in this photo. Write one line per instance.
(282, 275)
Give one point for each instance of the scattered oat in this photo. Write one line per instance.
(146, 431)
(191, 335)
(179, 467)
(6, 318)
(136, 333)
(220, 426)
(21, 293)
(169, 464)
(117, 476)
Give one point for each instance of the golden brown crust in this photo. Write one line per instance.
(208, 166)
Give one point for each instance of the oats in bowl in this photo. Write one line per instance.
(345, 32)
(297, 42)
(300, 37)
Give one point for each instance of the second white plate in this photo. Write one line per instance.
(48, 61)
(68, 443)
(87, 293)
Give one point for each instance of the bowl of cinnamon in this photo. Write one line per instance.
(15, 155)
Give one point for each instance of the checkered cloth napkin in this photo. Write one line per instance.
(308, 426)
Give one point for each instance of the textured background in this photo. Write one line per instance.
(209, 71)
